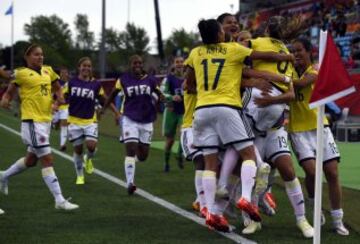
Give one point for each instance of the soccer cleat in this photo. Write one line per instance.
(203, 212)
(266, 208)
(270, 199)
(1, 211)
(341, 229)
(217, 222)
(249, 208)
(251, 228)
(306, 229)
(262, 178)
(89, 167)
(63, 148)
(131, 189)
(3, 184)
(66, 205)
(195, 206)
(80, 180)
(222, 193)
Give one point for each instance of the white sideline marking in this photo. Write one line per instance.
(232, 236)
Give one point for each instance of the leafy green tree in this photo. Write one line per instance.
(180, 39)
(134, 40)
(84, 38)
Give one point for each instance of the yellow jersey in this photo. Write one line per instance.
(218, 71)
(35, 92)
(189, 104)
(302, 118)
(267, 44)
(64, 89)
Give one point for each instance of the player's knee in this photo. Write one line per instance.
(332, 175)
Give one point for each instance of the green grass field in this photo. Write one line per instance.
(108, 215)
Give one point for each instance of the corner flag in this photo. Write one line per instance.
(10, 10)
(333, 80)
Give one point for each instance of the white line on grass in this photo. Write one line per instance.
(232, 236)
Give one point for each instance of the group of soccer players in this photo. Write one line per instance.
(234, 99)
(236, 132)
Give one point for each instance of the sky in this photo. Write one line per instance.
(175, 14)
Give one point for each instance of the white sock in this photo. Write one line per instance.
(231, 187)
(15, 168)
(130, 169)
(294, 192)
(52, 183)
(230, 159)
(209, 184)
(199, 188)
(337, 216)
(78, 163)
(63, 135)
(248, 174)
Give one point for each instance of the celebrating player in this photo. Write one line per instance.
(218, 118)
(138, 115)
(81, 94)
(174, 109)
(302, 128)
(35, 82)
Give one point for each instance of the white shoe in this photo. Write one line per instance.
(252, 228)
(306, 229)
(66, 205)
(266, 208)
(1, 211)
(341, 229)
(222, 193)
(3, 184)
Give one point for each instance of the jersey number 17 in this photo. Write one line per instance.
(220, 62)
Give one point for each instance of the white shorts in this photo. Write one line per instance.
(63, 114)
(273, 145)
(132, 131)
(304, 145)
(187, 144)
(36, 136)
(263, 118)
(80, 133)
(215, 126)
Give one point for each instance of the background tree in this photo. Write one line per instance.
(84, 38)
(134, 40)
(54, 35)
(180, 41)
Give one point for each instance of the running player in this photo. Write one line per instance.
(217, 67)
(35, 82)
(174, 110)
(81, 94)
(267, 113)
(302, 128)
(138, 114)
(63, 112)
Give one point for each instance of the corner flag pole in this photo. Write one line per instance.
(319, 152)
(12, 39)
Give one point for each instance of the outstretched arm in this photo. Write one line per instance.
(267, 100)
(306, 80)
(8, 96)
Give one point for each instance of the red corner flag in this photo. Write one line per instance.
(333, 80)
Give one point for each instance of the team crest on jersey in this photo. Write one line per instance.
(42, 139)
(127, 133)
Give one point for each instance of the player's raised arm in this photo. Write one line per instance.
(285, 97)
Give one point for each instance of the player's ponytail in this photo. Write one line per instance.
(285, 29)
(209, 30)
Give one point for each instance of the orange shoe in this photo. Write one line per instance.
(203, 212)
(249, 208)
(214, 221)
(270, 199)
(196, 206)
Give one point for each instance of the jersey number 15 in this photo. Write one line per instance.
(220, 62)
